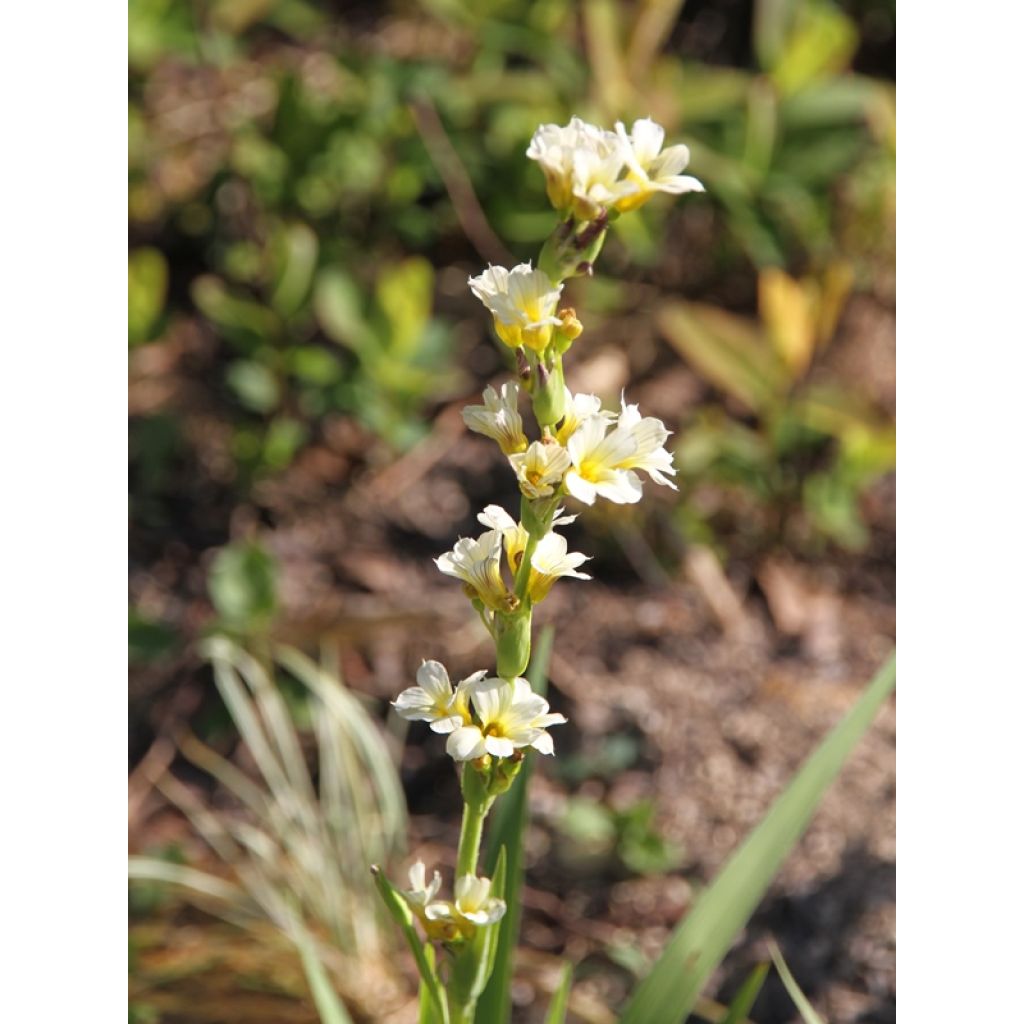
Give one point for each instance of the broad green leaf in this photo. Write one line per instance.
(743, 1001)
(339, 309)
(147, 292)
(243, 585)
(700, 942)
(254, 384)
(822, 42)
(405, 294)
(726, 349)
(242, 321)
(837, 101)
(507, 829)
(787, 309)
(295, 249)
(560, 1000)
(773, 20)
(801, 1001)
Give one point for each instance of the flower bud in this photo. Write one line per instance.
(548, 393)
(513, 644)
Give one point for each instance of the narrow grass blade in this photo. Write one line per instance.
(151, 869)
(329, 1007)
(399, 910)
(700, 942)
(508, 826)
(560, 1000)
(744, 1000)
(801, 1001)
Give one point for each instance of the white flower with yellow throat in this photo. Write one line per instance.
(477, 562)
(434, 700)
(498, 418)
(649, 167)
(540, 468)
(522, 301)
(604, 461)
(510, 716)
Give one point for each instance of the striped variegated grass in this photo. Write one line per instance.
(299, 852)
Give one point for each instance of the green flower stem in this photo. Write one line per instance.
(473, 816)
(463, 1014)
(523, 572)
(474, 812)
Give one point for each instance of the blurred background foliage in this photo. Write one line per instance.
(310, 184)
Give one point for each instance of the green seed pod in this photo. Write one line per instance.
(549, 393)
(513, 644)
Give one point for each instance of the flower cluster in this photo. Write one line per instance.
(451, 921)
(579, 451)
(589, 170)
(482, 716)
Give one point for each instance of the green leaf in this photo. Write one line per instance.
(795, 993)
(339, 309)
(726, 349)
(243, 585)
(147, 292)
(241, 321)
(405, 294)
(743, 1001)
(822, 43)
(254, 384)
(703, 938)
(329, 1007)
(295, 251)
(560, 1000)
(399, 910)
(508, 827)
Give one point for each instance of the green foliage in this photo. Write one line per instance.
(560, 1000)
(801, 442)
(243, 586)
(745, 998)
(802, 1003)
(703, 938)
(600, 837)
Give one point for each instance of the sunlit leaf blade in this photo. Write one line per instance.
(795, 992)
(329, 1007)
(399, 910)
(726, 349)
(560, 1000)
(700, 942)
(744, 1000)
(507, 828)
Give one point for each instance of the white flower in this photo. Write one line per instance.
(420, 894)
(603, 461)
(596, 183)
(554, 147)
(499, 418)
(511, 716)
(540, 468)
(522, 301)
(434, 701)
(577, 409)
(650, 436)
(650, 168)
(474, 902)
(514, 534)
(478, 564)
(550, 562)
(596, 455)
